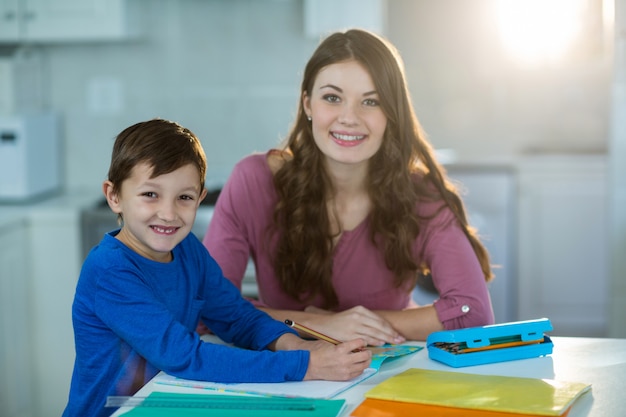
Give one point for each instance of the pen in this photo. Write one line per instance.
(311, 332)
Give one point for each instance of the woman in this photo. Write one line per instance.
(343, 219)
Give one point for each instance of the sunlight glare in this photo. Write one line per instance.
(535, 31)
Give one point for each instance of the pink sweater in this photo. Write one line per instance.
(238, 231)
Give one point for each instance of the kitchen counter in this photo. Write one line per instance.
(73, 199)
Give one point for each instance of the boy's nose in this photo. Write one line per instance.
(167, 211)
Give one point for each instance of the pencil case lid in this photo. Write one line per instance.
(477, 337)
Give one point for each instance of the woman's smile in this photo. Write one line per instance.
(346, 139)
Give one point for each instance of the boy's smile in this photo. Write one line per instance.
(158, 212)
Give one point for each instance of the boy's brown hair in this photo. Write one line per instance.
(163, 144)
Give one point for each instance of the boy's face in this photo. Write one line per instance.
(158, 212)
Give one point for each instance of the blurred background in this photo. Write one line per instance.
(524, 100)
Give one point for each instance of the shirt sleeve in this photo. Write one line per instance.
(146, 324)
(464, 299)
(236, 320)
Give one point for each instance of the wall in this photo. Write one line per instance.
(472, 96)
(230, 70)
(617, 174)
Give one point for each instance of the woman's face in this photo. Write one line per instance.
(347, 120)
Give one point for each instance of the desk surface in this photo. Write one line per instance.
(599, 362)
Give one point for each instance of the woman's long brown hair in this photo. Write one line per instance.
(401, 174)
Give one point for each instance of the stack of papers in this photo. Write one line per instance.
(310, 389)
(307, 389)
(441, 393)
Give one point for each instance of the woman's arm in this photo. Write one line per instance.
(357, 322)
(464, 299)
(375, 327)
(414, 323)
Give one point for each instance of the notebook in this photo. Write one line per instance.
(309, 389)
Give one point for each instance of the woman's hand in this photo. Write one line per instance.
(337, 362)
(357, 322)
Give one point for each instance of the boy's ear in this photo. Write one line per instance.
(112, 197)
(202, 195)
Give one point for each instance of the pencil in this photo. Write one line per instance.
(500, 346)
(311, 332)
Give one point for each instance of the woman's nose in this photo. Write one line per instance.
(349, 115)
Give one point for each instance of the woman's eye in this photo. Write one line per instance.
(371, 102)
(331, 98)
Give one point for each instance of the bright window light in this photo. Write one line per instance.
(536, 31)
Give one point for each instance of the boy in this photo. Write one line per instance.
(143, 289)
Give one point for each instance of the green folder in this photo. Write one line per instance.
(159, 404)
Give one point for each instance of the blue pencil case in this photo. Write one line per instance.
(489, 344)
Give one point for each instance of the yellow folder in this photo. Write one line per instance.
(483, 392)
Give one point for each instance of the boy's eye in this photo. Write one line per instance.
(149, 194)
(186, 197)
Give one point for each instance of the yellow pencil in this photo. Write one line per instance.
(311, 332)
(500, 346)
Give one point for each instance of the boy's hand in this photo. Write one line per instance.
(338, 362)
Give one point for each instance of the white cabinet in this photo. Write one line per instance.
(64, 20)
(563, 236)
(15, 322)
(55, 248)
(40, 261)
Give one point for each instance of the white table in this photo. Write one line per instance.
(599, 362)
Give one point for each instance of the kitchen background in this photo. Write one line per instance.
(534, 130)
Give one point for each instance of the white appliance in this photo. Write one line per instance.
(30, 152)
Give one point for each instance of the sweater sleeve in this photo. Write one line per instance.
(464, 299)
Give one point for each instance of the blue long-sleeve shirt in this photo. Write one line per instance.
(133, 317)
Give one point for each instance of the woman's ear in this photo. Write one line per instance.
(112, 197)
(306, 104)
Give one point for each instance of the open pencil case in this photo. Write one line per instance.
(493, 343)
